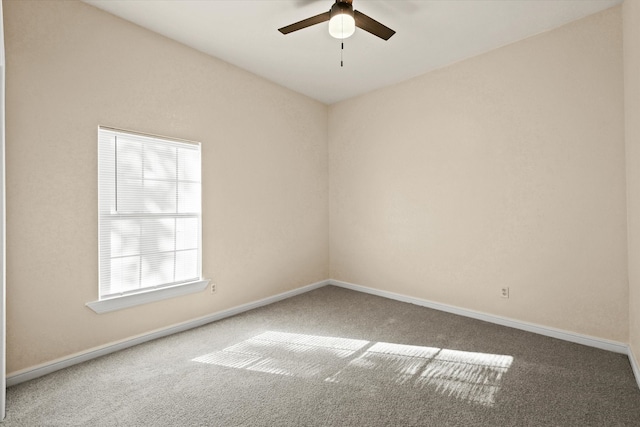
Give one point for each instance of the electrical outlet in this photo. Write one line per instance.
(214, 288)
(504, 292)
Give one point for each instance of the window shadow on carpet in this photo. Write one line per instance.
(463, 375)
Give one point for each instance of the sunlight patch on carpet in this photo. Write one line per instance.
(468, 376)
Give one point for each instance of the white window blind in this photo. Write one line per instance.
(149, 203)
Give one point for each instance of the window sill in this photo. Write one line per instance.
(126, 301)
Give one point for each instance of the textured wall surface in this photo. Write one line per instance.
(631, 25)
(72, 67)
(506, 169)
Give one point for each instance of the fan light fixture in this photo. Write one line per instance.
(342, 24)
(343, 21)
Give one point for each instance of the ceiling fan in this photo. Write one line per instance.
(343, 21)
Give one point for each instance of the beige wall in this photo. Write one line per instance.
(631, 26)
(70, 68)
(506, 169)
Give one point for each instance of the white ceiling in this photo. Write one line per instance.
(430, 34)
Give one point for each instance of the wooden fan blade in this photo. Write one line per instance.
(372, 26)
(305, 23)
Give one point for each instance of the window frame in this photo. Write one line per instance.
(108, 215)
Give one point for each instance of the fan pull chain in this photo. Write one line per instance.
(341, 51)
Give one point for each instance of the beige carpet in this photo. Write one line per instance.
(334, 357)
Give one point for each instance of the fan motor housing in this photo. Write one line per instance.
(341, 7)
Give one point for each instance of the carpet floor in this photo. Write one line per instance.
(335, 357)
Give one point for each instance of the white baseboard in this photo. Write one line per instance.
(47, 368)
(65, 362)
(634, 366)
(587, 340)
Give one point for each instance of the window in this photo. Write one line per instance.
(149, 208)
